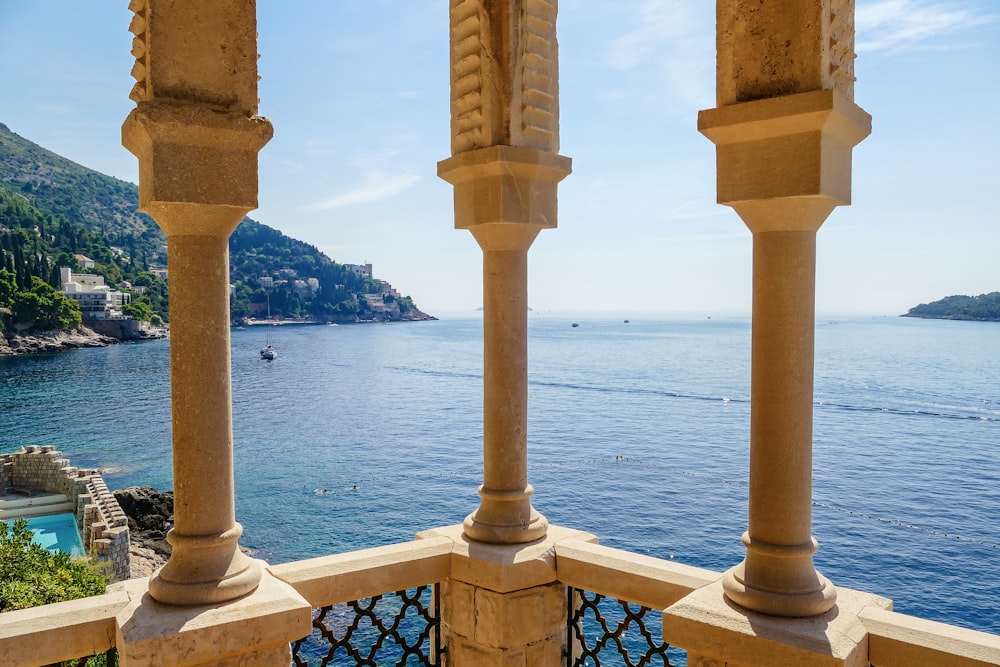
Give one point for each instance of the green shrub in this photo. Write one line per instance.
(31, 575)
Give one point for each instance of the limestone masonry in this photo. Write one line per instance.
(100, 520)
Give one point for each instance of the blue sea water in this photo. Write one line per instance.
(638, 432)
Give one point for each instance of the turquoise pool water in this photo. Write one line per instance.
(56, 532)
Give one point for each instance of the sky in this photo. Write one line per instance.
(357, 91)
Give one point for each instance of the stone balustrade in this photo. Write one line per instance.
(69, 630)
(784, 128)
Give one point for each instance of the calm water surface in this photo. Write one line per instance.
(638, 432)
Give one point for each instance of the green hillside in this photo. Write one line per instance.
(983, 308)
(52, 209)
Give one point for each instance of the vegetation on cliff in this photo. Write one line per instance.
(984, 308)
(52, 209)
(31, 575)
(38, 307)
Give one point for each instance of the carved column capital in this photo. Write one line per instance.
(504, 74)
(505, 186)
(791, 152)
(194, 157)
(781, 47)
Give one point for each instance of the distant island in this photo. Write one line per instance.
(982, 308)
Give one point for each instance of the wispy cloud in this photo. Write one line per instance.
(673, 37)
(897, 25)
(377, 185)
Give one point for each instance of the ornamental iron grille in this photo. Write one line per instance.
(609, 632)
(401, 629)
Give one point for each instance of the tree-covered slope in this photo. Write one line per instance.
(985, 308)
(52, 209)
(65, 189)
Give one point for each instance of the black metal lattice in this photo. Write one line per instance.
(401, 628)
(616, 627)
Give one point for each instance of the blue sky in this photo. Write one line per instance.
(358, 94)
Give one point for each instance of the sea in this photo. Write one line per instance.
(362, 435)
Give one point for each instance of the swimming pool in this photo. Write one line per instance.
(56, 532)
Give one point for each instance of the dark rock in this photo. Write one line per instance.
(148, 510)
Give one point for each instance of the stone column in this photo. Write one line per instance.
(505, 167)
(196, 134)
(784, 130)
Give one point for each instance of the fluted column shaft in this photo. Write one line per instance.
(505, 167)
(784, 130)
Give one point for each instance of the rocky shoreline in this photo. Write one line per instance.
(104, 333)
(51, 341)
(150, 515)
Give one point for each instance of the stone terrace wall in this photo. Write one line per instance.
(105, 527)
(102, 523)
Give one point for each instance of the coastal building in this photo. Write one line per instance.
(84, 261)
(360, 270)
(388, 289)
(267, 282)
(97, 300)
(504, 586)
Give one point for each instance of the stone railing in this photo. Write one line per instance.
(367, 575)
(69, 630)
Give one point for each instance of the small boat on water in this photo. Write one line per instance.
(268, 352)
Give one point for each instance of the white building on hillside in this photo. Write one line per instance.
(360, 270)
(96, 299)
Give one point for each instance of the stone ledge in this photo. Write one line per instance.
(645, 580)
(358, 574)
(709, 626)
(898, 640)
(60, 631)
(263, 621)
(501, 567)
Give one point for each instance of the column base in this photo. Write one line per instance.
(714, 630)
(780, 580)
(787, 604)
(503, 604)
(535, 529)
(253, 631)
(505, 517)
(205, 570)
